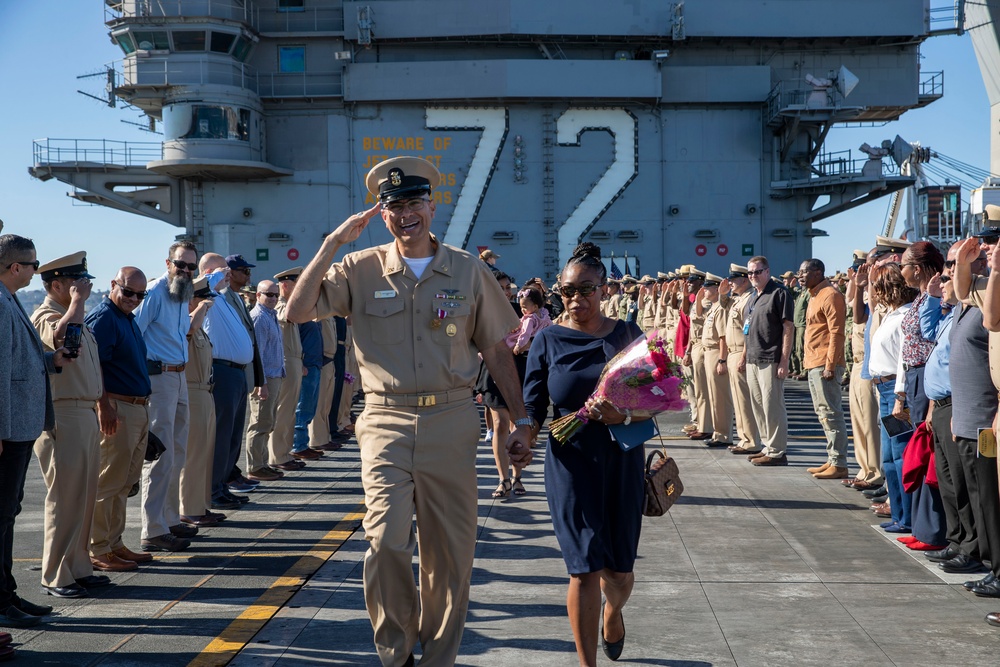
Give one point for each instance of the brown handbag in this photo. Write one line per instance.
(663, 484)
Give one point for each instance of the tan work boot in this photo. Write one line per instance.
(832, 472)
(820, 469)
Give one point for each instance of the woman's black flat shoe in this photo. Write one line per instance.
(614, 649)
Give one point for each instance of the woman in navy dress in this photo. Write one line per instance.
(594, 488)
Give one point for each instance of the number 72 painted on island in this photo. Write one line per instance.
(494, 123)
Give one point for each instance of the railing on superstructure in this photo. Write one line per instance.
(163, 71)
(233, 10)
(931, 84)
(95, 152)
(318, 18)
(844, 164)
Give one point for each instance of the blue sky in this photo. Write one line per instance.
(44, 46)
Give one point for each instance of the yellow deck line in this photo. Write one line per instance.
(231, 641)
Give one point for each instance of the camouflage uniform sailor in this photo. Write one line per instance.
(70, 454)
(421, 311)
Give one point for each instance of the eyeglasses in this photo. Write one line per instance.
(184, 266)
(397, 208)
(756, 273)
(991, 240)
(243, 270)
(34, 265)
(944, 279)
(128, 294)
(270, 295)
(949, 263)
(569, 291)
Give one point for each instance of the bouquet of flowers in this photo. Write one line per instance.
(641, 378)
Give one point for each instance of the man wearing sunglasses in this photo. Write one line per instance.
(421, 312)
(164, 320)
(123, 416)
(25, 411)
(263, 404)
(769, 332)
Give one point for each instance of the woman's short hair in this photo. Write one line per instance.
(888, 286)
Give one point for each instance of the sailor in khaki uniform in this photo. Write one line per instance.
(421, 311)
(196, 475)
(695, 358)
(732, 351)
(863, 399)
(70, 454)
(720, 400)
(614, 300)
(647, 303)
(280, 443)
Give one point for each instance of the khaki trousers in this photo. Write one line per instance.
(319, 427)
(746, 426)
(121, 467)
(720, 399)
(826, 397)
(699, 383)
(168, 419)
(423, 461)
(70, 459)
(280, 442)
(865, 425)
(767, 395)
(196, 475)
(261, 425)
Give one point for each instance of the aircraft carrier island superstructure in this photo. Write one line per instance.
(664, 131)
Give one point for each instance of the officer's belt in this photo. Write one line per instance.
(419, 400)
(134, 400)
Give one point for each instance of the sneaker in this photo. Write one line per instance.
(489, 435)
(241, 487)
(264, 475)
(166, 542)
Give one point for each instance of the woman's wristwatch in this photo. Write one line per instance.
(628, 417)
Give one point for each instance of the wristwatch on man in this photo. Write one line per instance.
(524, 421)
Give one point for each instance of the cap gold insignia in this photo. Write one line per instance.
(396, 177)
(451, 330)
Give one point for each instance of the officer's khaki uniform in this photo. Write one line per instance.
(350, 366)
(612, 305)
(280, 442)
(196, 475)
(699, 373)
(319, 427)
(648, 312)
(416, 458)
(864, 413)
(69, 455)
(720, 400)
(746, 427)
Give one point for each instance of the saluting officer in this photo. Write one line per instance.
(732, 356)
(421, 311)
(280, 443)
(720, 399)
(196, 475)
(69, 455)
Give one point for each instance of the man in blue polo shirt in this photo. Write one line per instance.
(164, 320)
(123, 415)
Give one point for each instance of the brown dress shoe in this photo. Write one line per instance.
(882, 510)
(109, 562)
(833, 472)
(756, 455)
(263, 475)
(307, 455)
(743, 450)
(865, 486)
(821, 468)
(770, 461)
(125, 553)
(993, 618)
(328, 447)
(289, 465)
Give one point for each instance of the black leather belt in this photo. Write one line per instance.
(942, 403)
(231, 364)
(908, 367)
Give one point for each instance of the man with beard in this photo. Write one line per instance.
(164, 321)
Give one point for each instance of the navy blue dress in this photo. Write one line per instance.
(594, 489)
